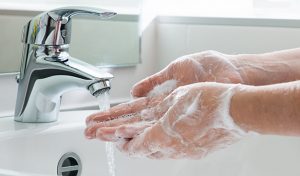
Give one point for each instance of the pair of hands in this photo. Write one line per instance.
(189, 119)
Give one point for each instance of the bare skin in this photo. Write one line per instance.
(268, 109)
(272, 109)
(269, 68)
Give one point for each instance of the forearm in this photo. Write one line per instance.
(273, 109)
(269, 68)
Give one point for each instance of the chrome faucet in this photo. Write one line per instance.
(47, 70)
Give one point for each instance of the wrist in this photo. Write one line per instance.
(248, 66)
(271, 109)
(223, 115)
(241, 109)
(265, 69)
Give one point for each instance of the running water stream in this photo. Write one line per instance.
(104, 104)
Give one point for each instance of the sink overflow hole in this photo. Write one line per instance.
(69, 165)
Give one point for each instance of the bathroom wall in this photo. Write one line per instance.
(180, 36)
(165, 40)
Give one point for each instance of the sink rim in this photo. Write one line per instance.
(67, 120)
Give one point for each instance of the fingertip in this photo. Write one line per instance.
(98, 116)
(142, 88)
(88, 133)
(137, 91)
(89, 119)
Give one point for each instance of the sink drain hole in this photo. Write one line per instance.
(69, 165)
(70, 161)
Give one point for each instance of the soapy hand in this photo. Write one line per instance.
(207, 66)
(190, 122)
(200, 67)
(103, 125)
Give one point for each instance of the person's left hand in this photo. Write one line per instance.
(190, 122)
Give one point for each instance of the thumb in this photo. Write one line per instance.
(142, 88)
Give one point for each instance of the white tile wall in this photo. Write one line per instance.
(241, 39)
(171, 42)
(105, 42)
(175, 40)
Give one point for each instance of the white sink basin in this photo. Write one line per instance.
(35, 150)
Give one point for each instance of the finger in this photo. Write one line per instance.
(106, 134)
(142, 88)
(124, 119)
(131, 130)
(113, 134)
(90, 131)
(149, 117)
(136, 124)
(116, 111)
(123, 109)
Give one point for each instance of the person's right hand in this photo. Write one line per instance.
(190, 122)
(208, 66)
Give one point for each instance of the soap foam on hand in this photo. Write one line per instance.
(166, 87)
(196, 122)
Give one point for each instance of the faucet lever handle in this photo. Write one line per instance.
(54, 27)
(65, 14)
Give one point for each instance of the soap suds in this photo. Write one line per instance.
(222, 112)
(165, 87)
(211, 128)
(132, 130)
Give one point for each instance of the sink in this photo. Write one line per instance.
(35, 149)
(31, 149)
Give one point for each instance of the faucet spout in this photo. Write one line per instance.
(50, 72)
